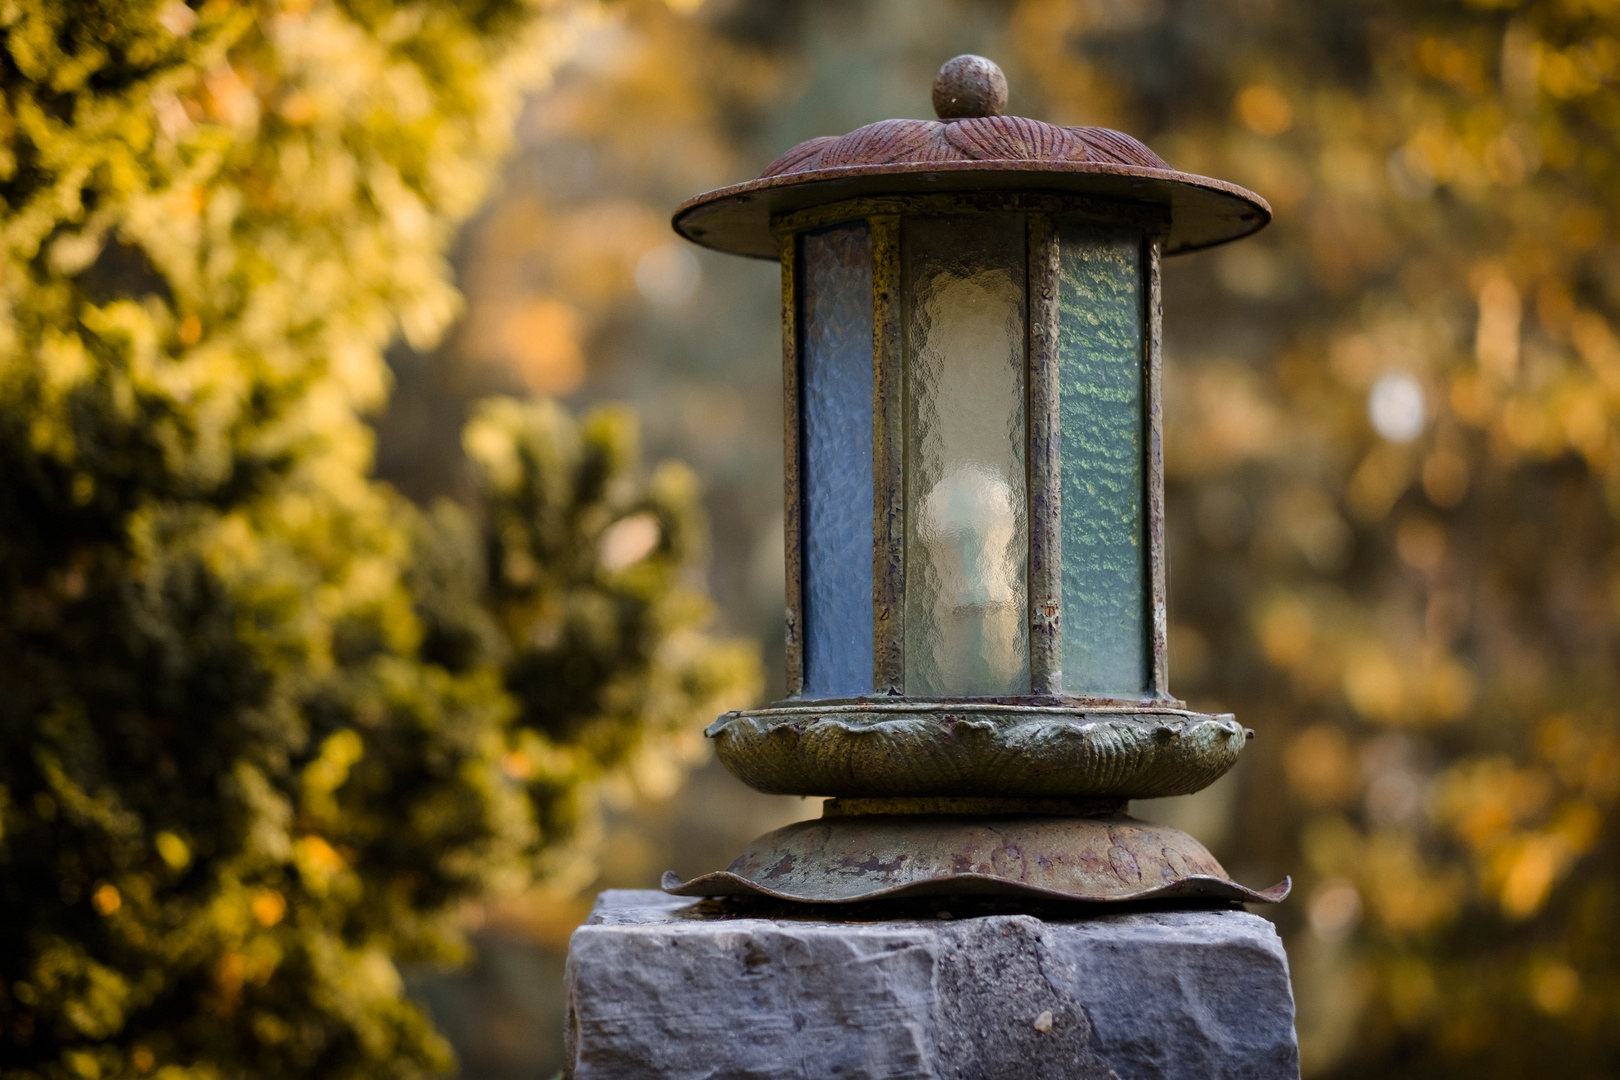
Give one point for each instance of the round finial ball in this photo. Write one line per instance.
(969, 85)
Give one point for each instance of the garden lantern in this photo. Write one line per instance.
(976, 609)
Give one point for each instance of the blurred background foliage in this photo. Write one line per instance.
(265, 726)
(1393, 452)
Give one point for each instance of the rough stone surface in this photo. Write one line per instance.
(661, 987)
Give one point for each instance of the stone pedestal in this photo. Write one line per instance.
(661, 987)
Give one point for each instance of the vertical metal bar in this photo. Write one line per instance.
(888, 462)
(1045, 463)
(1158, 558)
(793, 505)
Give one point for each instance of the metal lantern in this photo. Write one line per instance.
(976, 658)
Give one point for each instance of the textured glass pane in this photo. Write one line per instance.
(967, 539)
(836, 398)
(1100, 410)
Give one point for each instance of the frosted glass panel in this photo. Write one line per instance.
(835, 394)
(967, 537)
(1105, 649)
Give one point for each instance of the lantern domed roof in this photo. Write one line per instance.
(971, 148)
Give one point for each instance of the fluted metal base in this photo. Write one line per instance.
(879, 848)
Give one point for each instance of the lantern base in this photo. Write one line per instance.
(893, 848)
(920, 747)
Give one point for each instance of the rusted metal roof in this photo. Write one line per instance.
(968, 153)
(977, 138)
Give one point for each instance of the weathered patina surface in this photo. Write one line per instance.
(986, 154)
(969, 85)
(842, 858)
(899, 748)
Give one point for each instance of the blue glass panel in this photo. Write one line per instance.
(1100, 407)
(836, 402)
(967, 532)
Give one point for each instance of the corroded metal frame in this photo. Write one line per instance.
(792, 438)
(1112, 211)
(888, 462)
(1045, 459)
(1158, 554)
(883, 216)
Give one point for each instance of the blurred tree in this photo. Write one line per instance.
(1395, 457)
(263, 725)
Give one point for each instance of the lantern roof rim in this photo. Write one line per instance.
(737, 219)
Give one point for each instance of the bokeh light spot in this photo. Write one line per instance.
(172, 850)
(1334, 909)
(668, 275)
(1264, 110)
(628, 541)
(106, 899)
(268, 906)
(1396, 407)
(1557, 988)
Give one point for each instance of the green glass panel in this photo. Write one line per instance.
(1100, 404)
(967, 536)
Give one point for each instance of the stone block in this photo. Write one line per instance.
(660, 987)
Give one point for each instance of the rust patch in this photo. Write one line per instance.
(1124, 864)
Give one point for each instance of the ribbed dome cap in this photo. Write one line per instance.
(972, 149)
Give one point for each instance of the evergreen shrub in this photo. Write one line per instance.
(264, 725)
